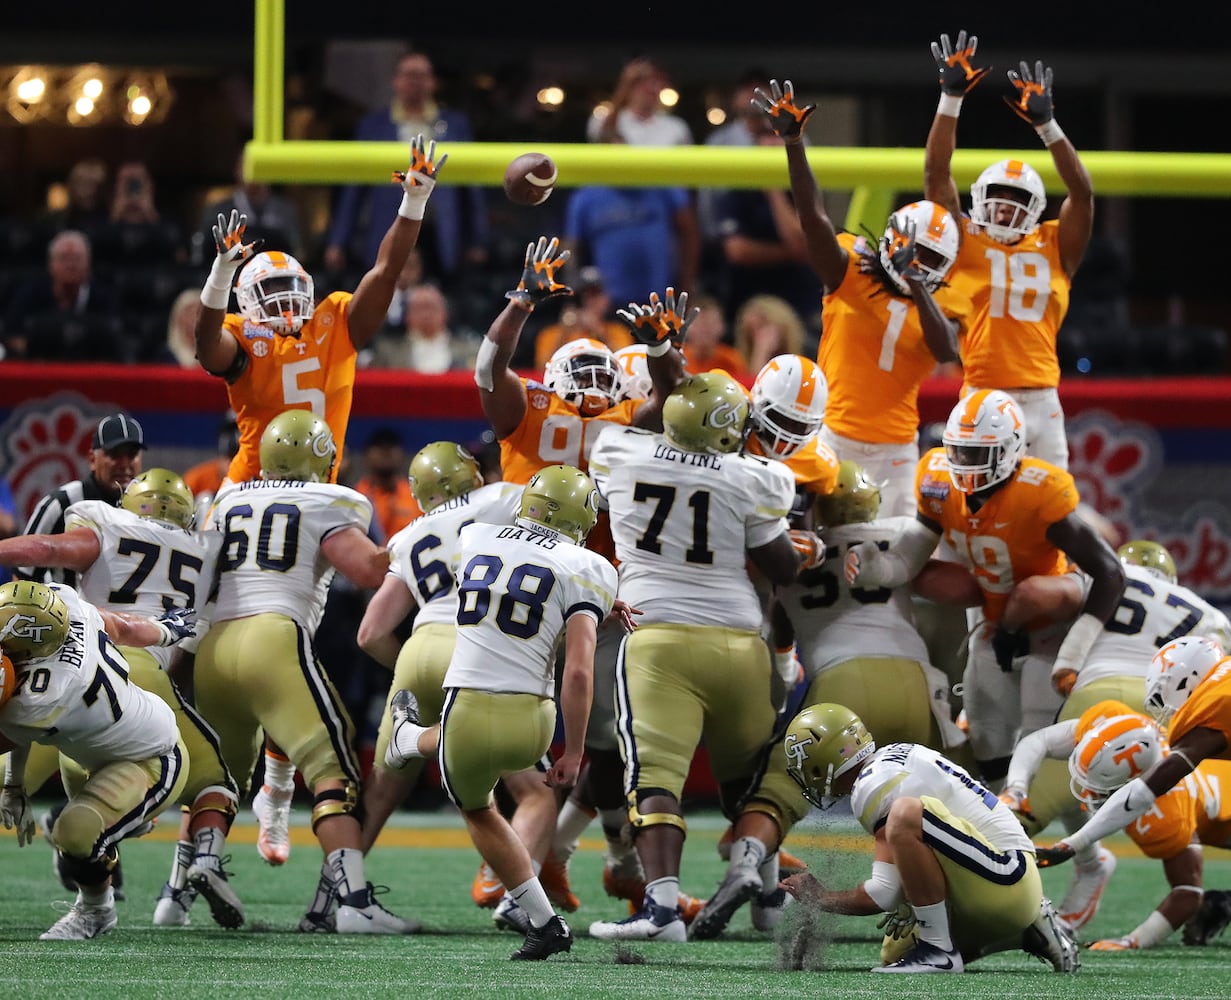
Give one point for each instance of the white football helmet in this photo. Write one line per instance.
(936, 243)
(1007, 200)
(274, 290)
(1175, 672)
(985, 439)
(1111, 754)
(635, 381)
(788, 404)
(584, 373)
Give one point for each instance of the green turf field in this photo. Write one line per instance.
(428, 864)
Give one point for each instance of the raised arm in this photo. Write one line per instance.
(368, 306)
(662, 327)
(217, 349)
(788, 119)
(1034, 105)
(501, 393)
(957, 77)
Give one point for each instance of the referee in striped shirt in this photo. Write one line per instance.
(115, 460)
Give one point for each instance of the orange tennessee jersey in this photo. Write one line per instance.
(1006, 541)
(204, 477)
(814, 466)
(552, 432)
(1020, 295)
(313, 371)
(1196, 806)
(1208, 707)
(873, 354)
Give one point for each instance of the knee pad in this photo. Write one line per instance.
(638, 821)
(78, 830)
(87, 871)
(215, 798)
(767, 808)
(342, 801)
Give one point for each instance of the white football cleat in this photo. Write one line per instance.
(173, 905)
(1081, 902)
(224, 904)
(1049, 939)
(509, 915)
(650, 923)
(359, 913)
(273, 816)
(925, 957)
(82, 922)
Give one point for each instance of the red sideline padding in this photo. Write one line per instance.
(1160, 402)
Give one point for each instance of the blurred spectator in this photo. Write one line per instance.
(427, 344)
(704, 349)
(67, 314)
(762, 244)
(587, 314)
(132, 202)
(86, 192)
(635, 114)
(454, 232)
(181, 346)
(410, 276)
(136, 231)
(765, 327)
(272, 217)
(205, 478)
(385, 482)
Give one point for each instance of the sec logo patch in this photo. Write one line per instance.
(260, 348)
(539, 400)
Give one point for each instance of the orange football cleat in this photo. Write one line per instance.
(788, 864)
(690, 906)
(625, 881)
(487, 890)
(554, 878)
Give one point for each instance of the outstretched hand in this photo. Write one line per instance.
(786, 118)
(661, 324)
(1033, 102)
(957, 75)
(538, 278)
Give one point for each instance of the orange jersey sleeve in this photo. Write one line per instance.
(1208, 707)
(873, 354)
(814, 466)
(552, 432)
(1006, 540)
(1020, 294)
(312, 371)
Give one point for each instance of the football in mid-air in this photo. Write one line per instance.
(530, 179)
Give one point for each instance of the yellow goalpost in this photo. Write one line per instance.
(873, 174)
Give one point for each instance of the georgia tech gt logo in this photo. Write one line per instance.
(796, 750)
(723, 415)
(322, 444)
(24, 627)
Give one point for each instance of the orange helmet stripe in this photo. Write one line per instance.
(277, 258)
(937, 224)
(807, 383)
(1112, 729)
(1013, 169)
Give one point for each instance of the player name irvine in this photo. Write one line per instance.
(665, 453)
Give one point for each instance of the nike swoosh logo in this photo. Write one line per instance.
(948, 963)
(321, 338)
(900, 461)
(1000, 524)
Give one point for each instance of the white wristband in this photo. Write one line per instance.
(1050, 132)
(217, 291)
(658, 350)
(412, 208)
(949, 105)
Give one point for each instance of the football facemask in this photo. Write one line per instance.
(273, 290)
(1007, 200)
(585, 374)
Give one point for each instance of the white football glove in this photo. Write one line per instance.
(15, 811)
(860, 566)
(177, 624)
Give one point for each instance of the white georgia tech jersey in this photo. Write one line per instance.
(271, 559)
(1152, 612)
(81, 701)
(425, 552)
(683, 522)
(913, 770)
(835, 622)
(517, 589)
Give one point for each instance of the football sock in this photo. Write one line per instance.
(747, 852)
(185, 851)
(208, 841)
(570, 825)
(279, 772)
(665, 891)
(98, 895)
(933, 921)
(326, 897)
(348, 874)
(769, 873)
(532, 898)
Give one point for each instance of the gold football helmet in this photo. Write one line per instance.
(707, 413)
(822, 743)
(33, 620)
(563, 498)
(1149, 556)
(854, 499)
(297, 446)
(160, 495)
(441, 471)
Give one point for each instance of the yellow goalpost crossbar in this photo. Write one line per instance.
(873, 174)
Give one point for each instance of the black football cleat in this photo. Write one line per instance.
(543, 942)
